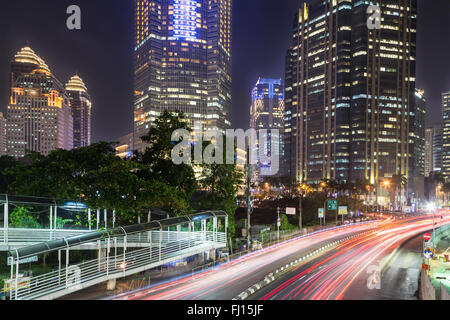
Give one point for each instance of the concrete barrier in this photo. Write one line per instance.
(445, 295)
(427, 290)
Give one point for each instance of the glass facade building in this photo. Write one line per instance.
(267, 113)
(183, 62)
(81, 106)
(350, 91)
(446, 135)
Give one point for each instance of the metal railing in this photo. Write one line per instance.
(31, 236)
(172, 246)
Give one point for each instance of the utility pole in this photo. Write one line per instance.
(300, 210)
(249, 202)
(278, 224)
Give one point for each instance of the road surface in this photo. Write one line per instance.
(382, 264)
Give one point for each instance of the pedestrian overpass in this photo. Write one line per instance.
(51, 212)
(122, 251)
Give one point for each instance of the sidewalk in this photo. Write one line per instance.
(439, 268)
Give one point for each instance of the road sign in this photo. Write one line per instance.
(428, 244)
(426, 236)
(428, 253)
(332, 204)
(343, 211)
(321, 213)
(290, 211)
(425, 266)
(25, 260)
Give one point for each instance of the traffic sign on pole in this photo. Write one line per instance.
(427, 237)
(332, 204)
(343, 211)
(321, 213)
(428, 253)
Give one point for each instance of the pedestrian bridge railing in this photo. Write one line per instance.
(115, 259)
(25, 237)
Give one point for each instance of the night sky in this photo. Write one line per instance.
(101, 53)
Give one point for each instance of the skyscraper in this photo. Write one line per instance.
(38, 116)
(429, 163)
(446, 135)
(183, 62)
(267, 113)
(437, 148)
(417, 163)
(433, 149)
(81, 106)
(351, 91)
(3, 146)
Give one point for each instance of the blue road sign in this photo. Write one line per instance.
(428, 253)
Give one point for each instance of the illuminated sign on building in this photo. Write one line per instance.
(184, 18)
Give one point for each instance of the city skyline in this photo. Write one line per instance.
(254, 49)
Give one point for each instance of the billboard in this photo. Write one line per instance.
(290, 211)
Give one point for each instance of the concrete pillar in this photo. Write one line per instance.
(111, 285)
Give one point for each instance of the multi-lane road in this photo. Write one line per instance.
(368, 251)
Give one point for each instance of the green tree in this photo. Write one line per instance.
(285, 225)
(6, 178)
(22, 217)
(221, 184)
(157, 162)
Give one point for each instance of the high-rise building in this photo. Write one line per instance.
(81, 106)
(3, 146)
(433, 149)
(446, 135)
(417, 163)
(39, 116)
(437, 149)
(350, 91)
(267, 113)
(429, 163)
(183, 62)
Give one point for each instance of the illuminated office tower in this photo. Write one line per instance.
(81, 106)
(351, 98)
(437, 148)
(429, 163)
(39, 116)
(3, 147)
(416, 183)
(433, 149)
(446, 135)
(182, 62)
(267, 113)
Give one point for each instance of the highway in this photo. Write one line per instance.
(335, 274)
(230, 279)
(372, 266)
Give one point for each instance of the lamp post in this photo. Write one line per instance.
(300, 210)
(249, 203)
(278, 224)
